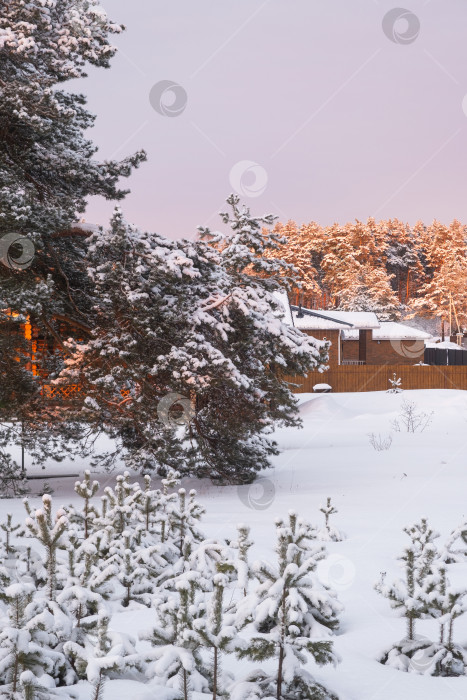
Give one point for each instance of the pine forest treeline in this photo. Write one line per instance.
(384, 266)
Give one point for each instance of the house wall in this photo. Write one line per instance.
(333, 337)
(386, 352)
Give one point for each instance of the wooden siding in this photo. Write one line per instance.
(376, 378)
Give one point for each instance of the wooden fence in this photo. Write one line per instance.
(376, 378)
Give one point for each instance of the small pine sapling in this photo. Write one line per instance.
(293, 612)
(9, 529)
(51, 536)
(329, 533)
(420, 595)
(183, 518)
(405, 595)
(121, 506)
(134, 568)
(241, 563)
(396, 384)
(457, 554)
(445, 603)
(17, 652)
(176, 654)
(217, 634)
(104, 654)
(87, 583)
(421, 534)
(87, 489)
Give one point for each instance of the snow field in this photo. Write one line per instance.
(376, 494)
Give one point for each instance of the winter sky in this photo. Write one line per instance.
(308, 109)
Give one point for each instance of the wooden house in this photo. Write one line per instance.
(359, 338)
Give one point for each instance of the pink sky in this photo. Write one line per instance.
(306, 108)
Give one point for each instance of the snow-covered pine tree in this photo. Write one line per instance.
(242, 544)
(421, 534)
(28, 666)
(134, 567)
(87, 583)
(210, 306)
(17, 653)
(47, 173)
(444, 603)
(12, 482)
(103, 654)
(406, 595)
(395, 384)
(87, 489)
(149, 507)
(421, 594)
(176, 654)
(293, 613)
(329, 533)
(51, 536)
(218, 635)
(10, 529)
(184, 516)
(168, 498)
(457, 553)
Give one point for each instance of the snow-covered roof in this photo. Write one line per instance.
(283, 300)
(322, 319)
(446, 345)
(389, 330)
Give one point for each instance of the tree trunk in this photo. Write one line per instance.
(450, 630)
(281, 650)
(411, 625)
(214, 680)
(185, 685)
(279, 673)
(86, 519)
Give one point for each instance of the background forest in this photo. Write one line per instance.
(387, 267)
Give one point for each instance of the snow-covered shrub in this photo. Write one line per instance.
(380, 443)
(411, 420)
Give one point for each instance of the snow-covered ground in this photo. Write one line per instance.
(376, 493)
